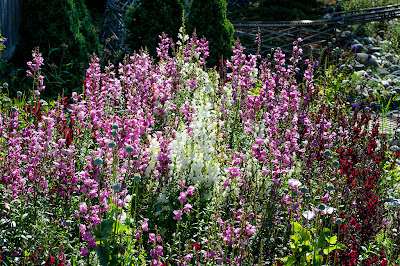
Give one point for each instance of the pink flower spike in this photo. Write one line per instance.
(145, 225)
(188, 256)
(294, 183)
(84, 252)
(190, 190)
(152, 238)
(178, 215)
(182, 197)
(187, 207)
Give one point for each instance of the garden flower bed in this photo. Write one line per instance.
(169, 163)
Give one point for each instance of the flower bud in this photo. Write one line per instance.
(338, 221)
(321, 207)
(114, 133)
(116, 187)
(303, 190)
(111, 144)
(129, 149)
(5, 85)
(135, 157)
(328, 153)
(115, 126)
(19, 94)
(98, 161)
(317, 198)
(330, 187)
(294, 193)
(137, 177)
(335, 164)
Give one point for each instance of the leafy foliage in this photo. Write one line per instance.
(64, 32)
(209, 19)
(146, 20)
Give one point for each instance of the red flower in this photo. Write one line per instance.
(197, 246)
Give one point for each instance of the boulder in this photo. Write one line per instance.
(361, 73)
(393, 68)
(396, 73)
(358, 67)
(374, 49)
(383, 71)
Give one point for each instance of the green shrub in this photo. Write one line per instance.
(146, 20)
(64, 32)
(208, 18)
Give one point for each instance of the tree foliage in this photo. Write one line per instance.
(147, 19)
(64, 32)
(208, 18)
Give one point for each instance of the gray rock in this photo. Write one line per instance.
(368, 46)
(359, 48)
(377, 54)
(361, 57)
(372, 50)
(383, 71)
(361, 73)
(358, 67)
(372, 62)
(366, 40)
(393, 68)
(345, 34)
(386, 63)
(385, 83)
(396, 89)
(396, 73)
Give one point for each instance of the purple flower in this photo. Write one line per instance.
(83, 208)
(3, 40)
(152, 238)
(188, 256)
(187, 207)
(190, 190)
(294, 183)
(145, 225)
(182, 197)
(84, 252)
(178, 215)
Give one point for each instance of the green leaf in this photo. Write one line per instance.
(331, 240)
(321, 241)
(332, 248)
(121, 228)
(104, 255)
(103, 230)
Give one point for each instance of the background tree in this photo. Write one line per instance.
(147, 19)
(208, 18)
(64, 32)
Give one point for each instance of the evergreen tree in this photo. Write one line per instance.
(64, 33)
(147, 19)
(208, 18)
